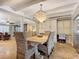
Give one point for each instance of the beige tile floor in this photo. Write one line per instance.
(64, 51)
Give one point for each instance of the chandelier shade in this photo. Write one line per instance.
(40, 15)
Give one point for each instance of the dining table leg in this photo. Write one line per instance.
(36, 50)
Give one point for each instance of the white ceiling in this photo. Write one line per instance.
(52, 7)
(27, 8)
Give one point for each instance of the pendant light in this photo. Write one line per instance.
(40, 15)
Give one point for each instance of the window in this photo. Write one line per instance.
(17, 28)
(4, 28)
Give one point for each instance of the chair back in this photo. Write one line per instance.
(62, 36)
(6, 36)
(21, 44)
(49, 44)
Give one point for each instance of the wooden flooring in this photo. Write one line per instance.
(61, 51)
(8, 49)
(64, 51)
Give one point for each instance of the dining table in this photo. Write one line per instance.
(36, 40)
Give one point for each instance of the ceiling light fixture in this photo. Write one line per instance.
(40, 15)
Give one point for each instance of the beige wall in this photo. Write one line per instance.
(50, 25)
(64, 26)
(29, 30)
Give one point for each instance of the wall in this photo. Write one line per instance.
(64, 26)
(49, 25)
(13, 18)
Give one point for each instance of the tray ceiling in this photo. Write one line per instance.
(28, 7)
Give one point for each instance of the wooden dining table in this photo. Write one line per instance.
(36, 40)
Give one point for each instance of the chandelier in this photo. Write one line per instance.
(40, 15)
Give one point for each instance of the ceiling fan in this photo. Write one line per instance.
(9, 22)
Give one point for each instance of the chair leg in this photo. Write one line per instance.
(34, 56)
(52, 49)
(51, 53)
(48, 56)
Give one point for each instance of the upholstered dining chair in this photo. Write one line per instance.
(7, 36)
(62, 37)
(23, 52)
(53, 37)
(46, 49)
(1, 36)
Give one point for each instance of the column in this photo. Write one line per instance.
(22, 24)
(11, 29)
(37, 28)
